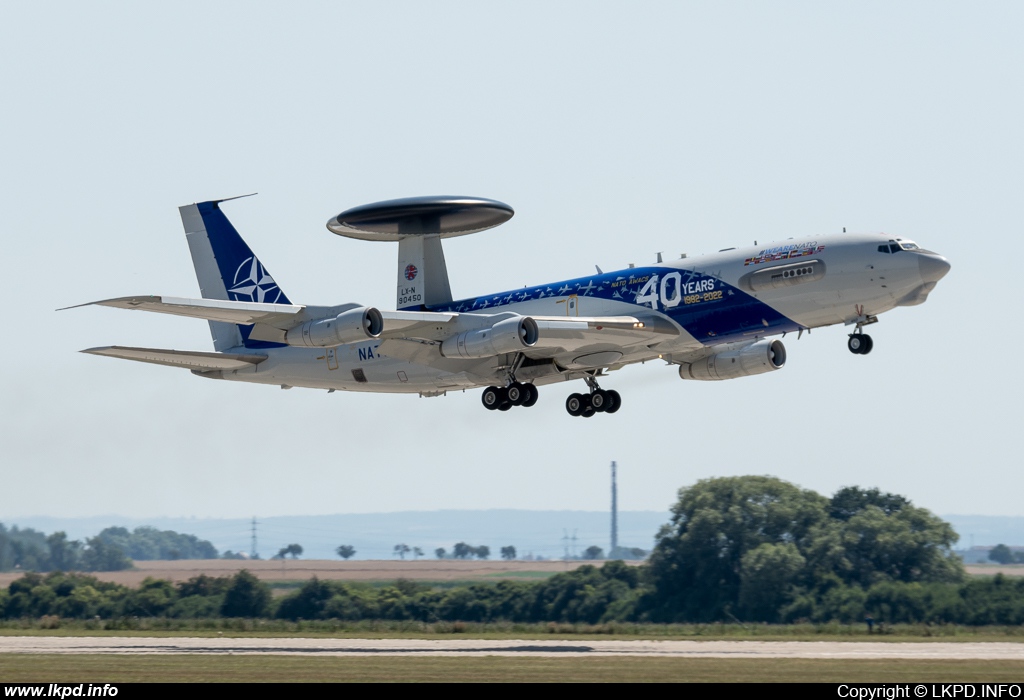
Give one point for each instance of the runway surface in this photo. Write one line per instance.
(514, 647)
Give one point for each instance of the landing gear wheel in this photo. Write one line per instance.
(614, 402)
(531, 395)
(491, 398)
(857, 344)
(575, 404)
(588, 412)
(505, 406)
(868, 344)
(599, 400)
(515, 393)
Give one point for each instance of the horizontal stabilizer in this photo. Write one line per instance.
(240, 312)
(180, 358)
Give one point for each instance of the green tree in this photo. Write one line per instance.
(508, 553)
(754, 545)
(440, 552)
(100, 555)
(246, 597)
(593, 552)
(696, 567)
(64, 554)
(346, 551)
(768, 577)
(1001, 554)
(874, 537)
(482, 552)
(461, 550)
(400, 550)
(293, 549)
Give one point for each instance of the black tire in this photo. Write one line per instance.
(531, 395)
(599, 400)
(614, 402)
(856, 344)
(491, 398)
(868, 344)
(589, 412)
(575, 404)
(515, 394)
(505, 405)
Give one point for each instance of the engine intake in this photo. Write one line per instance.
(510, 335)
(757, 358)
(350, 326)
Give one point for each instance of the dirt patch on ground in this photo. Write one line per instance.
(304, 569)
(993, 569)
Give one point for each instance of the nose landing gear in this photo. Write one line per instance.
(860, 343)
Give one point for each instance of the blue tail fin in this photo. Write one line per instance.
(227, 269)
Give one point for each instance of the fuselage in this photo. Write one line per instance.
(732, 296)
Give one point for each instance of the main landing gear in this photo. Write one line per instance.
(597, 401)
(496, 398)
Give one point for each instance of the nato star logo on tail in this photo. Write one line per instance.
(254, 283)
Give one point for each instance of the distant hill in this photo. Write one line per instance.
(374, 535)
(987, 530)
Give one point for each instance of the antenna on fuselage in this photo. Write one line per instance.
(419, 224)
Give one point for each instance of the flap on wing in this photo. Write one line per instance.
(406, 323)
(242, 312)
(575, 332)
(180, 358)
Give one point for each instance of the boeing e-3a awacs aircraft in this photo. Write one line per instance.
(713, 316)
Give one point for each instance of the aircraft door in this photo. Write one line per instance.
(332, 359)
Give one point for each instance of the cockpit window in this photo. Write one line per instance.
(908, 245)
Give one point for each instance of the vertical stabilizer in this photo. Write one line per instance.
(227, 269)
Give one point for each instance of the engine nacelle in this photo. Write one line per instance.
(350, 326)
(510, 335)
(762, 356)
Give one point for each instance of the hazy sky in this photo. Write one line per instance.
(616, 130)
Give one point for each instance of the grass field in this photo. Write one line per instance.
(192, 668)
(385, 629)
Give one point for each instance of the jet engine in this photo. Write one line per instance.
(510, 335)
(349, 326)
(756, 358)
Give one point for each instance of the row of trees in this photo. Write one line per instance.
(85, 597)
(614, 592)
(31, 550)
(113, 549)
(739, 548)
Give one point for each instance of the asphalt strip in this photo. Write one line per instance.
(515, 647)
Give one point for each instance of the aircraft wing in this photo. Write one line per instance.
(559, 338)
(570, 333)
(180, 358)
(243, 312)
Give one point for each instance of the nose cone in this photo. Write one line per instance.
(933, 267)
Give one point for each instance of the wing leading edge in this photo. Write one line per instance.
(201, 361)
